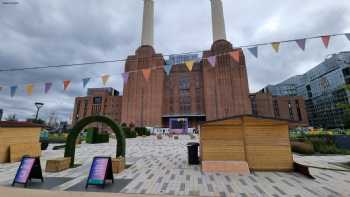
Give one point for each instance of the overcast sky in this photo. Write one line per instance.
(42, 32)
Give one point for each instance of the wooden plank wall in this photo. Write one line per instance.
(12, 136)
(263, 143)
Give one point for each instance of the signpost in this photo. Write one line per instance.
(29, 169)
(100, 171)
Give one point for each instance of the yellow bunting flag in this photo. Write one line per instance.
(146, 73)
(235, 56)
(105, 79)
(29, 89)
(66, 84)
(189, 65)
(276, 46)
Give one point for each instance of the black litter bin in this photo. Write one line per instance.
(193, 158)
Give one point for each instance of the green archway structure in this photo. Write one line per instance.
(72, 137)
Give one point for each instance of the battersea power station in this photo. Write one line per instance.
(184, 97)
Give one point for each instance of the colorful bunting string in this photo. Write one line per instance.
(146, 73)
(189, 65)
(85, 82)
(13, 90)
(235, 56)
(125, 77)
(301, 43)
(104, 79)
(254, 51)
(325, 40)
(66, 84)
(276, 46)
(167, 68)
(212, 60)
(47, 87)
(29, 89)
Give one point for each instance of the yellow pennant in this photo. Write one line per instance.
(105, 79)
(189, 65)
(29, 89)
(276, 46)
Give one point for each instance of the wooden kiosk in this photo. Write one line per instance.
(243, 143)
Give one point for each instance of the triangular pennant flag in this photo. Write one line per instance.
(0, 88)
(85, 82)
(146, 73)
(13, 90)
(104, 79)
(125, 77)
(348, 36)
(254, 51)
(235, 56)
(29, 89)
(276, 46)
(48, 86)
(189, 65)
(301, 43)
(66, 84)
(212, 60)
(325, 40)
(167, 68)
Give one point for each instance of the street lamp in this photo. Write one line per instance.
(38, 106)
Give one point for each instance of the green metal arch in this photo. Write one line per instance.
(72, 137)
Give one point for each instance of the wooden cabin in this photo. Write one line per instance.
(18, 139)
(243, 143)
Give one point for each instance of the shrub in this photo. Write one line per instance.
(302, 148)
(129, 133)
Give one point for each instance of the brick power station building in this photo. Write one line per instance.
(183, 98)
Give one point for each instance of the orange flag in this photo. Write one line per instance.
(29, 89)
(235, 56)
(66, 84)
(325, 40)
(189, 65)
(146, 73)
(276, 46)
(105, 79)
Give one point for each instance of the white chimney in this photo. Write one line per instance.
(147, 25)
(218, 20)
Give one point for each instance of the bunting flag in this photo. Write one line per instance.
(85, 82)
(13, 90)
(301, 43)
(48, 86)
(235, 56)
(29, 89)
(0, 88)
(212, 60)
(325, 40)
(146, 73)
(66, 84)
(348, 36)
(254, 51)
(189, 65)
(104, 79)
(167, 68)
(276, 46)
(125, 77)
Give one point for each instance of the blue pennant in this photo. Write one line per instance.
(167, 68)
(85, 82)
(254, 51)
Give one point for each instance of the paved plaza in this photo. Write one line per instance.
(160, 167)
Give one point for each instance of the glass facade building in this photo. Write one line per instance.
(323, 89)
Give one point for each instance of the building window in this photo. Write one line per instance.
(291, 114)
(276, 109)
(97, 100)
(298, 110)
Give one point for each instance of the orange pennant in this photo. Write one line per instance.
(29, 89)
(189, 65)
(325, 40)
(105, 79)
(235, 56)
(146, 73)
(66, 84)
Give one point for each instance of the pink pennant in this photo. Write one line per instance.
(325, 40)
(235, 56)
(212, 60)
(301, 43)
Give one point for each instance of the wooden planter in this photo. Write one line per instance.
(57, 165)
(118, 165)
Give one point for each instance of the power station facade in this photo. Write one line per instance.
(183, 98)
